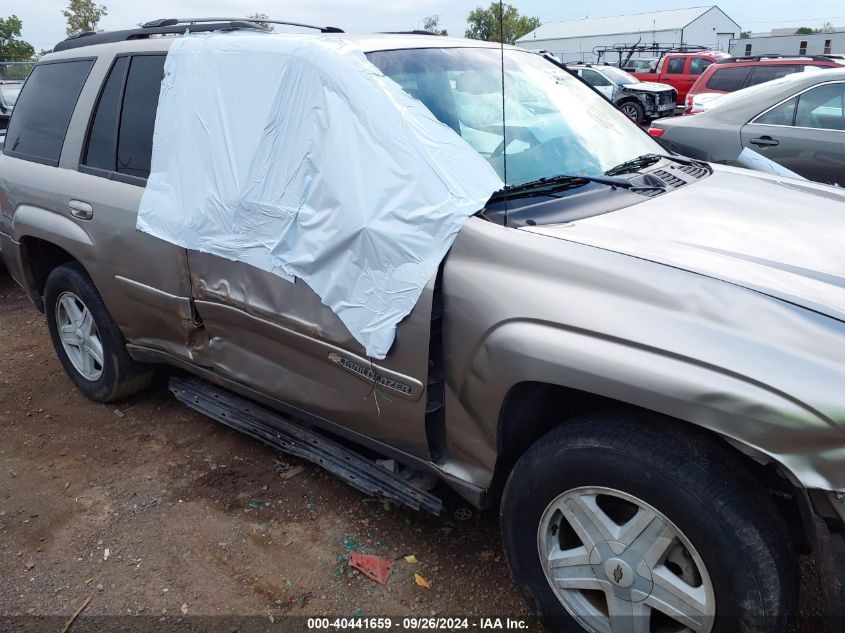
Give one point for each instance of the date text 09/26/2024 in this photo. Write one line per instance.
(421, 623)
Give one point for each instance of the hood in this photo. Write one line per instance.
(777, 236)
(648, 86)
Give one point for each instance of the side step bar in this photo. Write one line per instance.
(282, 432)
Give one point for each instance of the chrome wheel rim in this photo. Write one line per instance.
(79, 336)
(630, 111)
(618, 565)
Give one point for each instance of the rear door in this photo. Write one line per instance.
(144, 280)
(805, 133)
(770, 72)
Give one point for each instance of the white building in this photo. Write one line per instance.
(786, 42)
(574, 40)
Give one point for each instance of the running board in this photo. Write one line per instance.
(283, 433)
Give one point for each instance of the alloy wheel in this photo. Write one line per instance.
(618, 565)
(79, 336)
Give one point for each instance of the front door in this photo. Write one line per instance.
(277, 337)
(805, 134)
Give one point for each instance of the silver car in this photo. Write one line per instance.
(797, 121)
(636, 358)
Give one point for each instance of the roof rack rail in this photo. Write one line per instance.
(176, 26)
(655, 48)
(412, 32)
(177, 21)
(757, 58)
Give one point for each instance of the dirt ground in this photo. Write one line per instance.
(153, 509)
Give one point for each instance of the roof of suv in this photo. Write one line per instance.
(151, 38)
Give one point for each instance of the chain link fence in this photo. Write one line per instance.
(15, 71)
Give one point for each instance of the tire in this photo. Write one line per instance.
(633, 111)
(727, 547)
(93, 352)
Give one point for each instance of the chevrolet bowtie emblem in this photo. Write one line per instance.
(617, 574)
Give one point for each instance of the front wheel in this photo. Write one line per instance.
(633, 111)
(88, 342)
(612, 526)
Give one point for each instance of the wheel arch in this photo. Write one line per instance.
(39, 257)
(532, 409)
(47, 239)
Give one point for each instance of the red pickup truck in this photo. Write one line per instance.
(681, 70)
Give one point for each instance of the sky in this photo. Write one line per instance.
(44, 25)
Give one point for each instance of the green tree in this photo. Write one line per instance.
(745, 35)
(496, 21)
(83, 15)
(431, 23)
(258, 17)
(12, 47)
(804, 30)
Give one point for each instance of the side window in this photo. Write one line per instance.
(727, 79)
(593, 78)
(675, 66)
(102, 138)
(822, 108)
(761, 74)
(137, 118)
(698, 64)
(43, 110)
(783, 114)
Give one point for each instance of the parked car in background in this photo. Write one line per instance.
(681, 70)
(9, 91)
(640, 65)
(641, 101)
(736, 73)
(797, 121)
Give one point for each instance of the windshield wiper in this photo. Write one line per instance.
(541, 186)
(645, 160)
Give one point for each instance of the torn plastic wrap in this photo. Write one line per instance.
(296, 155)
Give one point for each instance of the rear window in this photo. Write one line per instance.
(120, 139)
(698, 65)
(728, 79)
(43, 110)
(100, 150)
(761, 74)
(675, 65)
(137, 119)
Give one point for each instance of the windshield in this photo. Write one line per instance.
(555, 124)
(9, 94)
(619, 76)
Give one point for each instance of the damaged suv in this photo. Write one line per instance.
(637, 358)
(642, 101)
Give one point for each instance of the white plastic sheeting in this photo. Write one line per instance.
(297, 155)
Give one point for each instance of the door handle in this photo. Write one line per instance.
(764, 141)
(81, 210)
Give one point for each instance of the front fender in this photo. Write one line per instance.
(755, 416)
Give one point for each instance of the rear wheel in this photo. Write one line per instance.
(633, 111)
(611, 526)
(88, 342)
